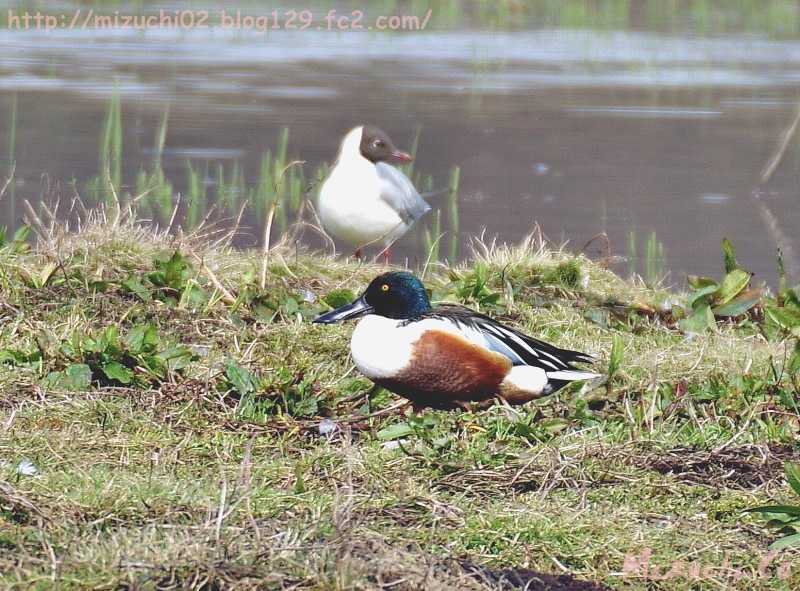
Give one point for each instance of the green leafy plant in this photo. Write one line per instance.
(710, 299)
(18, 243)
(785, 519)
(173, 281)
(339, 297)
(782, 314)
(472, 287)
(240, 379)
(105, 358)
(567, 275)
(277, 302)
(284, 393)
(19, 358)
(41, 278)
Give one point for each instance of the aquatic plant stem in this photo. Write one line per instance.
(268, 222)
(782, 241)
(8, 180)
(772, 164)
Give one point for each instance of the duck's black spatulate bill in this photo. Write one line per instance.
(360, 307)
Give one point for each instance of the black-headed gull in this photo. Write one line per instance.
(366, 201)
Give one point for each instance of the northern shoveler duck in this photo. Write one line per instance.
(365, 200)
(448, 356)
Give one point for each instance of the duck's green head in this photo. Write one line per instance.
(398, 295)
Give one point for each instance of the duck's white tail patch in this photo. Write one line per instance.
(572, 375)
(525, 378)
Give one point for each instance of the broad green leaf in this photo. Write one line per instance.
(176, 271)
(118, 372)
(698, 282)
(134, 340)
(195, 296)
(699, 295)
(792, 472)
(22, 233)
(142, 338)
(730, 256)
(732, 285)
(793, 510)
(395, 431)
(700, 321)
(175, 357)
(99, 286)
(290, 307)
(135, 286)
(240, 378)
(785, 542)
(305, 407)
(96, 344)
(17, 357)
(786, 318)
(76, 377)
(79, 376)
(46, 274)
(740, 304)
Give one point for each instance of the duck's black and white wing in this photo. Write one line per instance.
(520, 348)
(398, 191)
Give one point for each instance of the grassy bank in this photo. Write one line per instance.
(166, 422)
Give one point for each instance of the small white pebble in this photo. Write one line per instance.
(308, 296)
(24, 468)
(390, 445)
(27, 468)
(327, 426)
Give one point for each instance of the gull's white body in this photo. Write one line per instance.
(357, 202)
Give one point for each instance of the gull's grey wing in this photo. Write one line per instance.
(400, 194)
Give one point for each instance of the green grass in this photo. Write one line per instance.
(205, 467)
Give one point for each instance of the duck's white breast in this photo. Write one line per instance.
(382, 347)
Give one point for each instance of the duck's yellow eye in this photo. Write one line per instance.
(384, 287)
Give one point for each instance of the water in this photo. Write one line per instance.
(582, 122)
